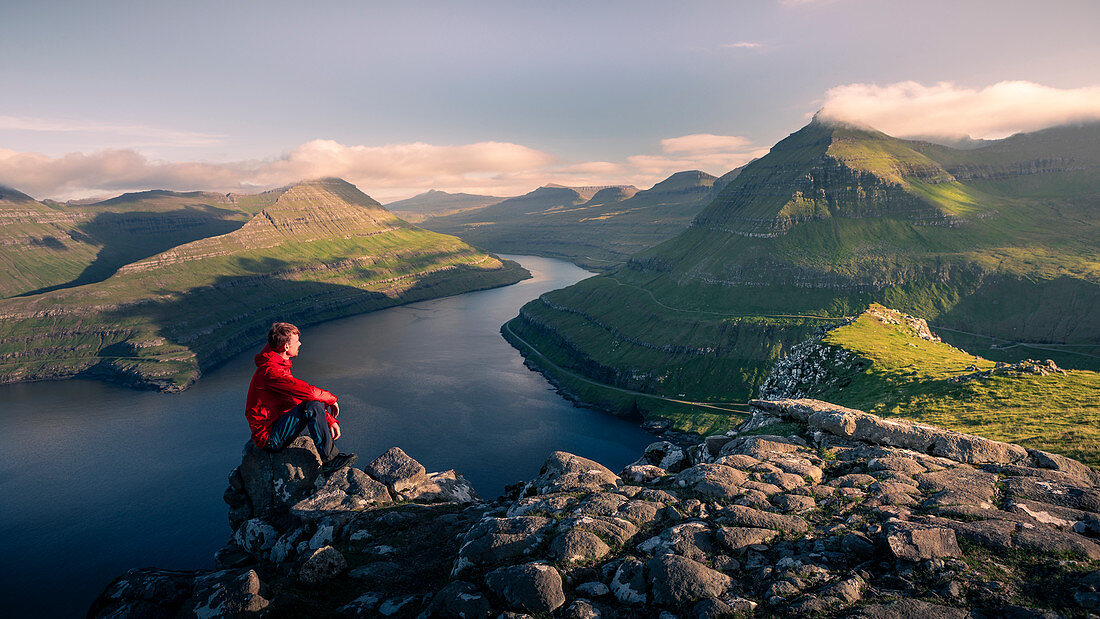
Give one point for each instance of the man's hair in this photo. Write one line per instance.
(279, 335)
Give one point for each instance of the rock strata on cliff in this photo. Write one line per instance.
(807, 509)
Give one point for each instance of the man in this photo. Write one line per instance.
(279, 407)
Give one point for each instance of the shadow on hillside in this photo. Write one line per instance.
(132, 236)
(233, 314)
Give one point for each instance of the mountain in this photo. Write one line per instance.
(996, 246)
(313, 251)
(434, 203)
(595, 227)
(49, 245)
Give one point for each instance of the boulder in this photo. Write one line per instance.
(714, 480)
(447, 486)
(629, 583)
(749, 517)
(690, 539)
(256, 537)
(228, 593)
(499, 540)
(322, 566)
(531, 587)
(678, 580)
(458, 599)
(737, 539)
(397, 470)
(642, 473)
(565, 472)
(274, 481)
(916, 542)
(347, 490)
(578, 547)
(146, 592)
(910, 609)
(665, 455)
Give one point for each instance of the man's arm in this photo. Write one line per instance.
(284, 382)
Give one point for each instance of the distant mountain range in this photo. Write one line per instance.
(149, 289)
(436, 203)
(997, 246)
(595, 227)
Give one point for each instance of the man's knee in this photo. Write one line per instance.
(313, 408)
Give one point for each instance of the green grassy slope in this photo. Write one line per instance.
(320, 250)
(833, 219)
(595, 230)
(48, 246)
(879, 364)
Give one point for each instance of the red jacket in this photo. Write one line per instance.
(273, 391)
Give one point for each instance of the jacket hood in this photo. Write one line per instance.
(268, 356)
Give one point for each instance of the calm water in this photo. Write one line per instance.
(96, 479)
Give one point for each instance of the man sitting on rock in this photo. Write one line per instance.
(279, 407)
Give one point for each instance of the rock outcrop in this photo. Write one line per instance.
(848, 515)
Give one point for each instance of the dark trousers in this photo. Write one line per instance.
(308, 417)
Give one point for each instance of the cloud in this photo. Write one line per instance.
(744, 45)
(140, 133)
(701, 143)
(385, 172)
(949, 110)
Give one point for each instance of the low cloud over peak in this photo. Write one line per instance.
(947, 109)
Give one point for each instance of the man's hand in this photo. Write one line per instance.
(335, 406)
(335, 431)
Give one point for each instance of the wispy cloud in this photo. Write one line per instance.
(130, 133)
(386, 172)
(744, 45)
(947, 109)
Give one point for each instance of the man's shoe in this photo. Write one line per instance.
(339, 461)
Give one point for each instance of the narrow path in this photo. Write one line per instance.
(714, 405)
(678, 309)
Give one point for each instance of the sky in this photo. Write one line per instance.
(501, 97)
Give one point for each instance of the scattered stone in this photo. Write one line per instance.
(498, 540)
(532, 587)
(229, 593)
(678, 580)
(447, 486)
(274, 481)
(459, 599)
(578, 547)
(915, 542)
(629, 583)
(321, 566)
(397, 470)
(749, 517)
(642, 473)
(564, 472)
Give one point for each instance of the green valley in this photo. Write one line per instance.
(310, 252)
(594, 227)
(996, 246)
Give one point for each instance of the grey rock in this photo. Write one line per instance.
(321, 566)
(665, 455)
(914, 542)
(578, 547)
(714, 480)
(565, 472)
(617, 530)
(690, 539)
(593, 589)
(749, 517)
(397, 470)
(793, 503)
(347, 490)
(499, 540)
(228, 593)
(629, 583)
(1048, 541)
(960, 486)
(1054, 493)
(642, 473)
(678, 580)
(1083, 472)
(910, 609)
(458, 599)
(738, 539)
(146, 592)
(531, 587)
(581, 609)
(447, 486)
(256, 537)
(274, 481)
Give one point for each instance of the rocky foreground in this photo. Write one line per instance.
(807, 509)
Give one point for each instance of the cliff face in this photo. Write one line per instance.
(315, 251)
(807, 509)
